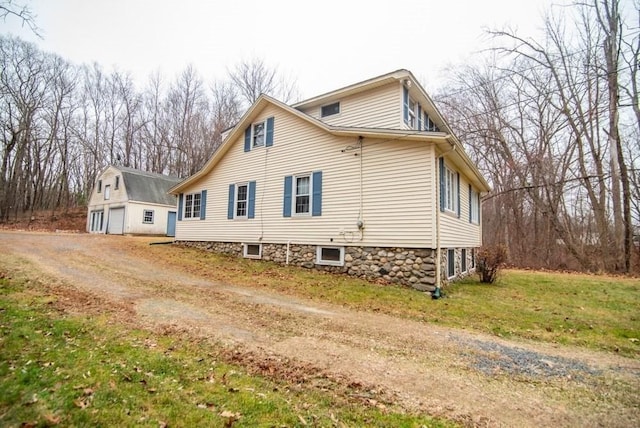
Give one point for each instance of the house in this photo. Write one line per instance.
(367, 180)
(128, 201)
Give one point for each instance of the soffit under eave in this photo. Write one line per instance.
(459, 158)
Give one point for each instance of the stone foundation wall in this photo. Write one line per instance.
(406, 266)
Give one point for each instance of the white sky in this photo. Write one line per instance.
(323, 44)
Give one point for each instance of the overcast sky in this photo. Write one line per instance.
(323, 44)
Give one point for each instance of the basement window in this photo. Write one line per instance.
(463, 260)
(332, 256)
(451, 263)
(252, 251)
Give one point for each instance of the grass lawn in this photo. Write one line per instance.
(592, 311)
(68, 370)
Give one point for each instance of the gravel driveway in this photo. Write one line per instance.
(476, 379)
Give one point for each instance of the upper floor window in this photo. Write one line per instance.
(117, 185)
(259, 134)
(192, 202)
(99, 186)
(429, 125)
(412, 113)
(107, 192)
(330, 109)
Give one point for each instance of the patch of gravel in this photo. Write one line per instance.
(495, 359)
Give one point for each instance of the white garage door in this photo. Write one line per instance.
(116, 221)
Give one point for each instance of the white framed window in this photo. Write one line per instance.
(451, 189)
(97, 221)
(302, 196)
(332, 256)
(252, 251)
(107, 192)
(117, 185)
(258, 134)
(242, 198)
(451, 263)
(463, 260)
(192, 203)
(429, 125)
(472, 260)
(474, 206)
(330, 109)
(147, 216)
(412, 113)
(99, 186)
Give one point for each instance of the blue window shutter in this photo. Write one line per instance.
(458, 189)
(442, 184)
(288, 184)
(247, 139)
(232, 195)
(269, 142)
(470, 203)
(419, 117)
(203, 205)
(316, 204)
(251, 212)
(180, 203)
(405, 102)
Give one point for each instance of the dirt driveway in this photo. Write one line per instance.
(475, 379)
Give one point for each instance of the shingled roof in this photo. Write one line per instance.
(148, 186)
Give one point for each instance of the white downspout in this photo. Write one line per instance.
(288, 245)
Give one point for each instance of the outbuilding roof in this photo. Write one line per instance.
(149, 187)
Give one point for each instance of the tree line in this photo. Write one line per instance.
(554, 123)
(63, 123)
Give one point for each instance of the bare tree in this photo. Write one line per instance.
(253, 78)
(547, 117)
(11, 8)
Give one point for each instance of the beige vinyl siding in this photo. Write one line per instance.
(378, 108)
(391, 171)
(459, 232)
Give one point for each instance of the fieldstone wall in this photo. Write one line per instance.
(412, 267)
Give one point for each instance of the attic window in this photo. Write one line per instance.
(330, 109)
(99, 186)
(117, 182)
